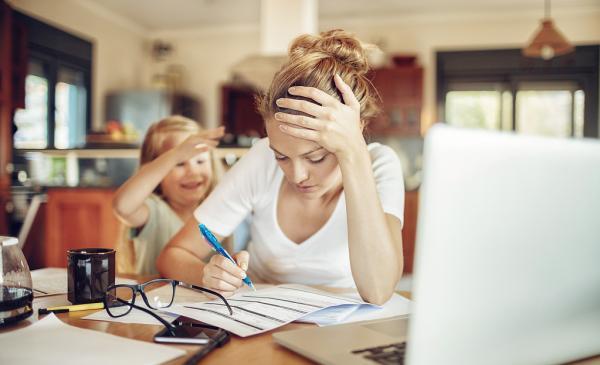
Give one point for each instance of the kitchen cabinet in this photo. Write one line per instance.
(78, 218)
(238, 111)
(400, 89)
(409, 230)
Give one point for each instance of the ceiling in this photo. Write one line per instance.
(165, 15)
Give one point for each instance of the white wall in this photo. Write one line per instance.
(424, 35)
(206, 57)
(118, 45)
(208, 54)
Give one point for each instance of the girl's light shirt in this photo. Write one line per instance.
(252, 187)
(163, 223)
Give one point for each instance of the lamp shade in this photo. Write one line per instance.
(548, 42)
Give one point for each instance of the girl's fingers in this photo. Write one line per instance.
(313, 93)
(212, 133)
(347, 94)
(300, 120)
(297, 132)
(206, 144)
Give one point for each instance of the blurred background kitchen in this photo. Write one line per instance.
(81, 80)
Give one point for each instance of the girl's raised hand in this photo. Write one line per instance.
(199, 143)
(334, 125)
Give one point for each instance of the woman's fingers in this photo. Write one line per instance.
(303, 106)
(347, 94)
(300, 120)
(218, 284)
(299, 132)
(228, 266)
(242, 258)
(313, 93)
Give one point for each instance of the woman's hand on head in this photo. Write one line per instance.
(334, 125)
(199, 143)
(224, 276)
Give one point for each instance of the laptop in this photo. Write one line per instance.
(507, 264)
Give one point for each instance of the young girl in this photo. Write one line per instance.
(326, 206)
(175, 176)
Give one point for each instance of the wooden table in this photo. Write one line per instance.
(258, 349)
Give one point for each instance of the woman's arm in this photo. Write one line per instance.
(128, 203)
(375, 240)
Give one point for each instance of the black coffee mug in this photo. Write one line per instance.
(90, 271)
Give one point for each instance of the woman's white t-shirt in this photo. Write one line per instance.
(252, 187)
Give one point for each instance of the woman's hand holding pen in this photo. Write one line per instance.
(223, 276)
(335, 126)
(198, 143)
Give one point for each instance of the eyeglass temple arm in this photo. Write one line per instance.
(170, 327)
(191, 286)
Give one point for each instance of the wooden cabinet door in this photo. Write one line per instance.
(400, 89)
(78, 218)
(6, 109)
(409, 230)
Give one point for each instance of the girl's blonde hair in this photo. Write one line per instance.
(313, 61)
(152, 146)
(155, 137)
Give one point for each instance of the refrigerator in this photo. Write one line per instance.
(141, 108)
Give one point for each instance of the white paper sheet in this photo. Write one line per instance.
(50, 341)
(263, 310)
(396, 306)
(53, 281)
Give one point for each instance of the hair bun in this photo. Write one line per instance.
(343, 46)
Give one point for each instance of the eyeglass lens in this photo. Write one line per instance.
(117, 299)
(158, 294)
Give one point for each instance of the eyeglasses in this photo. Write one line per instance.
(157, 294)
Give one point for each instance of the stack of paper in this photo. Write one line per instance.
(263, 310)
(50, 341)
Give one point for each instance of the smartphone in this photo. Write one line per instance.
(191, 332)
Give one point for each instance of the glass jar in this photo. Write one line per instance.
(16, 294)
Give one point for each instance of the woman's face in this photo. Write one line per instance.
(309, 169)
(188, 182)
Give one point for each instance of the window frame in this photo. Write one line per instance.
(56, 49)
(509, 67)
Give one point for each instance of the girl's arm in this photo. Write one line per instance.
(128, 203)
(375, 239)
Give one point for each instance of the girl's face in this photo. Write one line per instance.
(310, 169)
(188, 182)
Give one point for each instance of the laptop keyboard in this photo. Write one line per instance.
(388, 354)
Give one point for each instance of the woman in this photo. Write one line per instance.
(326, 207)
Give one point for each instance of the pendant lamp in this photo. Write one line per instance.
(548, 42)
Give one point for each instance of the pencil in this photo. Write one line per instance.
(71, 308)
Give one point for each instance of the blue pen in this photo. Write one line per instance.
(214, 243)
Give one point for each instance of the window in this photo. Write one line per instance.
(32, 131)
(501, 90)
(57, 89)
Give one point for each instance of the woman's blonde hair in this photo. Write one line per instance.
(313, 61)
